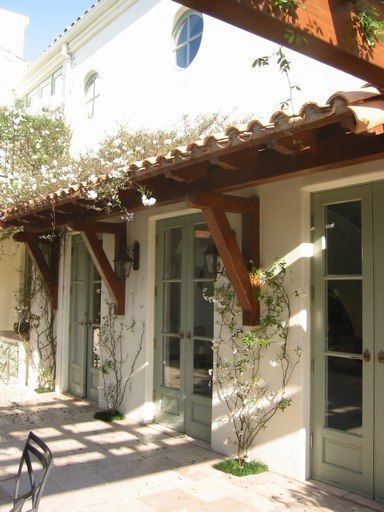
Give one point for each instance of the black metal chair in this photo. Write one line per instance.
(35, 450)
(19, 506)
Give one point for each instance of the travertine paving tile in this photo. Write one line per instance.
(123, 466)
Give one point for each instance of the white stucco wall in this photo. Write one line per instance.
(12, 65)
(140, 84)
(11, 266)
(12, 28)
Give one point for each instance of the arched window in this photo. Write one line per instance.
(91, 90)
(188, 33)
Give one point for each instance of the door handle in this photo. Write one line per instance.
(380, 356)
(181, 335)
(189, 335)
(367, 355)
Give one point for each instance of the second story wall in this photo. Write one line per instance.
(125, 71)
(12, 64)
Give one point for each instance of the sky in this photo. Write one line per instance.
(47, 19)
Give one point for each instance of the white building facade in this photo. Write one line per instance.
(145, 64)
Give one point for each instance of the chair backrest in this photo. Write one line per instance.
(18, 507)
(35, 450)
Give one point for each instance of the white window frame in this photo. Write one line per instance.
(91, 82)
(37, 92)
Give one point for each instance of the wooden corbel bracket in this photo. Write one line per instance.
(235, 261)
(48, 271)
(115, 286)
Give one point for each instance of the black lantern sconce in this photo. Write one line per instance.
(126, 260)
(211, 259)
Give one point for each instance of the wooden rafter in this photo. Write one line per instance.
(115, 286)
(48, 272)
(213, 207)
(327, 31)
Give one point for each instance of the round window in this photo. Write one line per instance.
(187, 38)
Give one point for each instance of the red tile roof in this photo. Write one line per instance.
(360, 111)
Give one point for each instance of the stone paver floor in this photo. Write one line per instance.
(124, 466)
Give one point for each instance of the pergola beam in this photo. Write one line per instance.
(326, 27)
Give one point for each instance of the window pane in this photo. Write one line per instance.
(172, 253)
(203, 324)
(96, 303)
(57, 86)
(90, 108)
(95, 347)
(172, 310)
(344, 396)
(194, 48)
(195, 25)
(202, 367)
(181, 57)
(343, 235)
(345, 330)
(45, 94)
(171, 362)
(183, 33)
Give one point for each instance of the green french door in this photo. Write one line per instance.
(84, 329)
(348, 341)
(184, 327)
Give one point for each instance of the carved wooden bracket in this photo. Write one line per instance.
(48, 271)
(213, 207)
(115, 286)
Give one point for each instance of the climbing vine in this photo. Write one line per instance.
(241, 356)
(36, 325)
(370, 26)
(35, 158)
(113, 358)
(284, 65)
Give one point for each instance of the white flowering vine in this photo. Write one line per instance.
(242, 357)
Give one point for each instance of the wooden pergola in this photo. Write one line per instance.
(202, 175)
(325, 29)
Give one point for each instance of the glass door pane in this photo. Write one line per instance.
(343, 297)
(93, 324)
(171, 323)
(170, 351)
(343, 338)
(202, 367)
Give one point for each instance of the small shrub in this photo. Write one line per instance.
(236, 468)
(108, 416)
(42, 390)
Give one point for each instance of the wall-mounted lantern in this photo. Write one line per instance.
(127, 259)
(211, 259)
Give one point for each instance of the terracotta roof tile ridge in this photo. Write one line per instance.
(365, 105)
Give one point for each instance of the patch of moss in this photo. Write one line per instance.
(44, 390)
(234, 467)
(108, 416)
